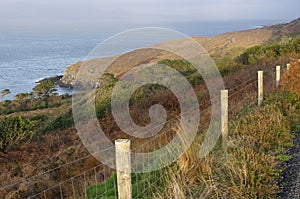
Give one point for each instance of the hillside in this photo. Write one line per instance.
(233, 43)
(54, 163)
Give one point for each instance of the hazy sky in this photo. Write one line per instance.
(76, 13)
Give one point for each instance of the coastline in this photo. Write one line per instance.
(61, 89)
(225, 41)
(55, 79)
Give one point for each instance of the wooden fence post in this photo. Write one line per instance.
(224, 116)
(288, 66)
(260, 87)
(277, 76)
(123, 166)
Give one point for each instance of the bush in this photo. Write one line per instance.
(185, 68)
(259, 54)
(291, 79)
(14, 130)
(60, 123)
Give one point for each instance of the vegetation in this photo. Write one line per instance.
(103, 95)
(108, 82)
(26, 102)
(245, 170)
(14, 130)
(62, 122)
(44, 90)
(3, 93)
(185, 68)
(263, 54)
(225, 65)
(104, 190)
(291, 79)
(248, 168)
(140, 182)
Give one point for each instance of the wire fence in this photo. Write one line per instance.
(100, 181)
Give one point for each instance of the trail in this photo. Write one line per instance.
(291, 176)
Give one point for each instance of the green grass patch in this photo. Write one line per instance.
(283, 157)
(141, 186)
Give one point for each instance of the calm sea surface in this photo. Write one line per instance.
(26, 57)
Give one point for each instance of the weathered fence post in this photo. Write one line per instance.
(123, 166)
(260, 87)
(224, 116)
(288, 66)
(277, 76)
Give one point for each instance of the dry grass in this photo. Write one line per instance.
(291, 79)
(245, 170)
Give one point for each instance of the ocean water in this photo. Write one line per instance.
(28, 56)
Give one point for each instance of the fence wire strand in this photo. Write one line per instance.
(144, 182)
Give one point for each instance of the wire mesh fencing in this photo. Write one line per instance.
(100, 181)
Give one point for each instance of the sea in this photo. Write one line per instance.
(27, 56)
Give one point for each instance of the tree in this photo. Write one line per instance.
(4, 92)
(44, 90)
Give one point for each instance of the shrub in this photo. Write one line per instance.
(14, 130)
(267, 127)
(185, 68)
(289, 105)
(62, 122)
(291, 79)
(259, 54)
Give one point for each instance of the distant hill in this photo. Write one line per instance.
(234, 42)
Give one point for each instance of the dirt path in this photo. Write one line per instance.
(291, 176)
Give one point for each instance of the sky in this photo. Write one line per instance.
(51, 14)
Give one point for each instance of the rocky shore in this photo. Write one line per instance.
(56, 79)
